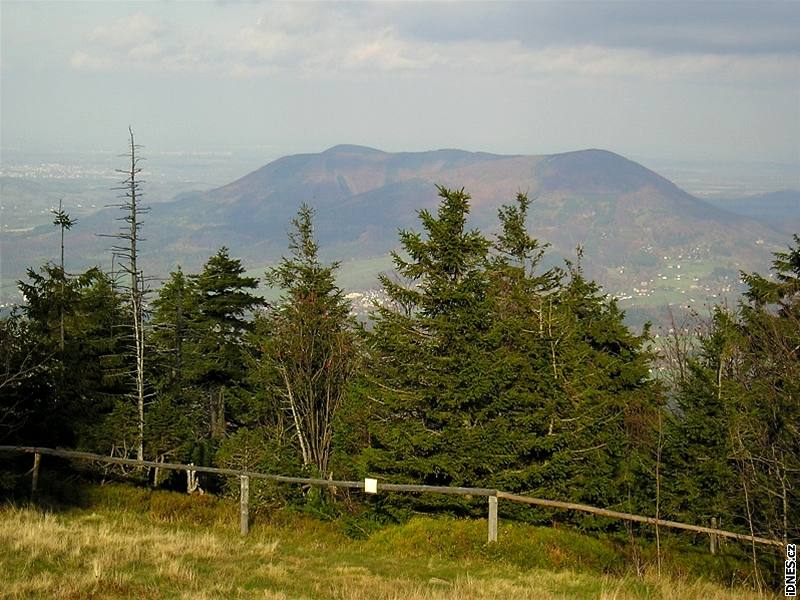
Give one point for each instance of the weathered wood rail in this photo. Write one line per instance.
(613, 514)
(492, 494)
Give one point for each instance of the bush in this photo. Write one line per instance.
(263, 451)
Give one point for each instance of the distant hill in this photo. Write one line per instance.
(779, 209)
(631, 221)
(613, 206)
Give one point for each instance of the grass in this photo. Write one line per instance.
(138, 544)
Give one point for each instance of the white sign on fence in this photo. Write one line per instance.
(371, 486)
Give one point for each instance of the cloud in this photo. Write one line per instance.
(330, 40)
(136, 30)
(133, 42)
(385, 54)
(322, 39)
(84, 61)
(664, 27)
(604, 62)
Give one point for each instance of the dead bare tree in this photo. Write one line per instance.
(126, 253)
(742, 457)
(679, 344)
(659, 449)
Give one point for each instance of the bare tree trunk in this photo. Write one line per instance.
(128, 250)
(742, 458)
(177, 377)
(785, 506)
(550, 338)
(157, 471)
(64, 222)
(756, 572)
(658, 491)
(296, 418)
(63, 275)
(138, 327)
(136, 295)
(217, 410)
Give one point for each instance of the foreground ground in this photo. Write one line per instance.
(158, 547)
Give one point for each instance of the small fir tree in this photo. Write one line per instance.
(308, 343)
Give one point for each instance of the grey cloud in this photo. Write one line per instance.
(649, 41)
(666, 27)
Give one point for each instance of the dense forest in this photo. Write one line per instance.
(481, 369)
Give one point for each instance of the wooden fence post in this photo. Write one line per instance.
(156, 472)
(192, 485)
(713, 536)
(244, 504)
(492, 518)
(37, 458)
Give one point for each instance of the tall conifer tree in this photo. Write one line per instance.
(225, 305)
(433, 378)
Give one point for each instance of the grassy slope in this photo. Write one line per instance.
(134, 543)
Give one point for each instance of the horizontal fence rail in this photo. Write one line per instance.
(613, 514)
(492, 494)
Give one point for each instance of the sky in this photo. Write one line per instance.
(697, 81)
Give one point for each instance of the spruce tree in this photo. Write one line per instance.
(580, 403)
(734, 439)
(487, 372)
(764, 388)
(174, 325)
(702, 484)
(225, 307)
(176, 418)
(609, 406)
(432, 376)
(85, 381)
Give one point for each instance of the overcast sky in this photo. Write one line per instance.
(691, 81)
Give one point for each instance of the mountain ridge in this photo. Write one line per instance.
(627, 217)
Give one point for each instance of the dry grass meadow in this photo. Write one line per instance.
(110, 551)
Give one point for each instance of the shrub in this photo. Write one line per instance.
(263, 451)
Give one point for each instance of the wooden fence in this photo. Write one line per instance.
(493, 495)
